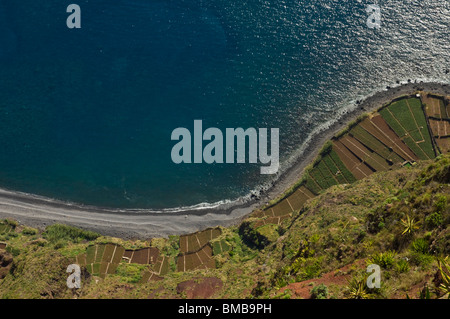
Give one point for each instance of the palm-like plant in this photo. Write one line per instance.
(357, 288)
(444, 269)
(410, 225)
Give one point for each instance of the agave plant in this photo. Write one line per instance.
(410, 225)
(357, 288)
(444, 268)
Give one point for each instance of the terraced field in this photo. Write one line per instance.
(220, 247)
(101, 260)
(196, 251)
(378, 128)
(159, 268)
(145, 256)
(395, 135)
(195, 242)
(438, 112)
(200, 259)
(407, 119)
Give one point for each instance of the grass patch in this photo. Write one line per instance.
(385, 260)
(63, 233)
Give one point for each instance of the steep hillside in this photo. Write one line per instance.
(333, 237)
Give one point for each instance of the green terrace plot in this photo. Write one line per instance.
(312, 185)
(375, 145)
(322, 176)
(333, 158)
(220, 246)
(353, 163)
(378, 128)
(407, 119)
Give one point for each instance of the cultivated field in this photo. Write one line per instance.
(437, 110)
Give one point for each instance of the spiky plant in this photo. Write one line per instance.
(410, 225)
(357, 288)
(444, 268)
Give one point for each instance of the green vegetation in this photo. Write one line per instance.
(357, 288)
(409, 224)
(7, 225)
(444, 271)
(319, 292)
(345, 172)
(407, 119)
(385, 260)
(56, 233)
(402, 266)
(351, 125)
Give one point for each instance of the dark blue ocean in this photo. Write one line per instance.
(86, 114)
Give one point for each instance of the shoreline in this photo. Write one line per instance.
(40, 212)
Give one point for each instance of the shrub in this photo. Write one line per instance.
(29, 231)
(434, 220)
(384, 260)
(311, 268)
(11, 222)
(409, 224)
(357, 288)
(444, 269)
(59, 244)
(319, 292)
(421, 246)
(13, 250)
(55, 233)
(11, 235)
(441, 203)
(420, 259)
(402, 266)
